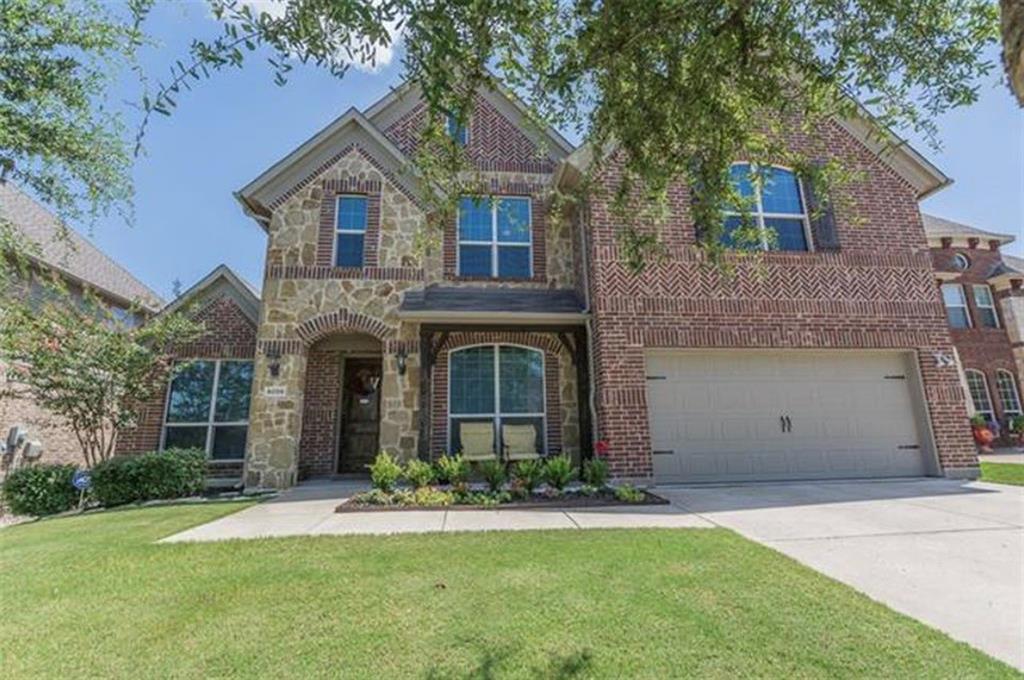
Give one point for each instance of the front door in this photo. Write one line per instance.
(360, 414)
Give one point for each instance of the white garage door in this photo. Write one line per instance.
(745, 415)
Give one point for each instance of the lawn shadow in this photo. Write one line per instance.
(491, 660)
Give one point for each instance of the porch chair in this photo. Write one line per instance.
(477, 441)
(520, 442)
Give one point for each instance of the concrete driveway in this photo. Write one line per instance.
(947, 553)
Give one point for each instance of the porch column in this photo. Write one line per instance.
(275, 415)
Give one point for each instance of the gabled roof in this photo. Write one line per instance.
(404, 97)
(67, 252)
(937, 228)
(897, 153)
(315, 155)
(1015, 264)
(221, 280)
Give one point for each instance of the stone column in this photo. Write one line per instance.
(275, 419)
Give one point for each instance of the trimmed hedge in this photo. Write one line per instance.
(174, 473)
(43, 489)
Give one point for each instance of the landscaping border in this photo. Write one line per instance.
(559, 503)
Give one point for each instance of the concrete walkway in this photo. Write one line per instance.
(308, 510)
(1015, 456)
(946, 553)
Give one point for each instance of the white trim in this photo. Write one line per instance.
(760, 215)
(991, 306)
(962, 305)
(1012, 382)
(468, 316)
(210, 423)
(498, 416)
(990, 412)
(494, 243)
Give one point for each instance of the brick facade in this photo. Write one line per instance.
(230, 334)
(980, 348)
(857, 297)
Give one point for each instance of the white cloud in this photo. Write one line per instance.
(276, 9)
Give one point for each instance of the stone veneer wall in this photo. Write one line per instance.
(877, 291)
(306, 300)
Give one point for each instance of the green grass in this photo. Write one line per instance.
(93, 596)
(1003, 473)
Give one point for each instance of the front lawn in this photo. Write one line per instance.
(1003, 473)
(92, 596)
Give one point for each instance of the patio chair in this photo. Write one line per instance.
(520, 442)
(477, 441)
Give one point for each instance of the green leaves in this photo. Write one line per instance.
(75, 357)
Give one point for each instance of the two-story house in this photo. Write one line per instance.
(523, 334)
(983, 291)
(80, 265)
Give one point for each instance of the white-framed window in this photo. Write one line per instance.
(774, 201)
(457, 131)
(495, 237)
(208, 408)
(985, 305)
(978, 388)
(498, 384)
(956, 305)
(350, 230)
(961, 262)
(1009, 397)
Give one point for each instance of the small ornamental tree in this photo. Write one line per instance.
(75, 358)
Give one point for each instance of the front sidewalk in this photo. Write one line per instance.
(308, 510)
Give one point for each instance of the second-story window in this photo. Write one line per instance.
(986, 307)
(457, 131)
(956, 305)
(350, 231)
(775, 203)
(495, 237)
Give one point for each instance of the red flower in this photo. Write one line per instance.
(602, 448)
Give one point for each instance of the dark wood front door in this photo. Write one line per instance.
(360, 414)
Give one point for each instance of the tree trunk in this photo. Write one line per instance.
(1013, 45)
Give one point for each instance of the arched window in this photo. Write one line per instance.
(496, 401)
(979, 393)
(961, 262)
(773, 197)
(1009, 397)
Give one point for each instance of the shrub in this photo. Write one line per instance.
(419, 473)
(493, 472)
(1017, 424)
(629, 494)
(174, 473)
(453, 469)
(40, 490)
(429, 497)
(978, 420)
(558, 471)
(385, 471)
(595, 473)
(528, 474)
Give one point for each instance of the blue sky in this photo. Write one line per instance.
(232, 127)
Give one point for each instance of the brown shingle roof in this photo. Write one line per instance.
(72, 255)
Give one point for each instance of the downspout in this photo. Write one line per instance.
(591, 374)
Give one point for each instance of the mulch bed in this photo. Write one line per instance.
(567, 502)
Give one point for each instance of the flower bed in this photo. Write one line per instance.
(535, 483)
(440, 498)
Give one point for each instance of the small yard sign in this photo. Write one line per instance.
(275, 391)
(81, 480)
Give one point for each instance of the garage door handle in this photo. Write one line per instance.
(663, 452)
(789, 424)
(782, 423)
(785, 423)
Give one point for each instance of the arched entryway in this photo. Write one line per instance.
(342, 407)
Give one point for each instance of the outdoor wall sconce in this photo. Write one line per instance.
(274, 355)
(400, 358)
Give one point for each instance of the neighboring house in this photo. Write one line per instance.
(524, 334)
(81, 266)
(983, 291)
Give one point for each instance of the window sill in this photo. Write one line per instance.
(495, 279)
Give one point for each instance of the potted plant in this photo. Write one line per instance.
(1017, 429)
(982, 435)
